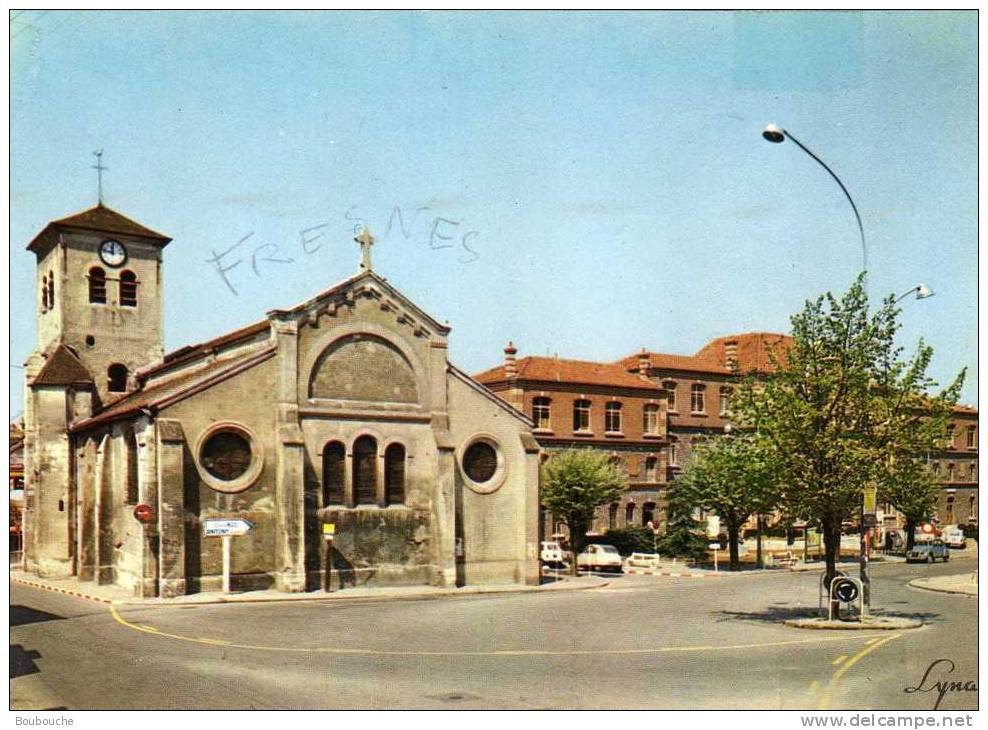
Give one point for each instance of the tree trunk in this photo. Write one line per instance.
(831, 546)
(732, 539)
(910, 534)
(759, 561)
(577, 525)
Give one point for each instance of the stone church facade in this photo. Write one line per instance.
(343, 410)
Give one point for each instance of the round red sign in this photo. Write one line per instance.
(143, 513)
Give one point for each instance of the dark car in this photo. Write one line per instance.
(928, 552)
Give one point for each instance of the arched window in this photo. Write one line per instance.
(132, 490)
(648, 513)
(612, 513)
(540, 413)
(116, 376)
(44, 293)
(128, 289)
(650, 420)
(612, 417)
(51, 290)
(629, 514)
(333, 460)
(97, 285)
(365, 470)
(394, 474)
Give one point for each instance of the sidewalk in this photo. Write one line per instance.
(965, 583)
(116, 595)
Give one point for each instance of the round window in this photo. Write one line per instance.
(226, 455)
(230, 458)
(480, 462)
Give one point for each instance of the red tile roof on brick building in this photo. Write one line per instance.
(576, 372)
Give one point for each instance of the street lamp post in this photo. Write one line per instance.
(776, 134)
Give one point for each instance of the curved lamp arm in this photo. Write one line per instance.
(776, 134)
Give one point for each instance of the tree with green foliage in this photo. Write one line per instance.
(683, 537)
(574, 483)
(732, 476)
(840, 406)
(910, 485)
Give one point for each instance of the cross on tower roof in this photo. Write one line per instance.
(99, 174)
(366, 240)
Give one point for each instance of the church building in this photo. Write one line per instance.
(340, 417)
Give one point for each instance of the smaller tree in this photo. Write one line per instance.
(574, 483)
(730, 476)
(911, 487)
(683, 537)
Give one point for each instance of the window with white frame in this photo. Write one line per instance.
(581, 415)
(972, 437)
(670, 385)
(612, 417)
(541, 413)
(650, 419)
(697, 403)
(725, 399)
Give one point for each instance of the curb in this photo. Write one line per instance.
(64, 591)
(820, 624)
(917, 583)
(301, 597)
(670, 574)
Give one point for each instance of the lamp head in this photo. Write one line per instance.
(773, 133)
(924, 292)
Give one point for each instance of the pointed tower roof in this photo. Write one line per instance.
(99, 218)
(63, 368)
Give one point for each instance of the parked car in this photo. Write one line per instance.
(953, 536)
(552, 554)
(928, 552)
(599, 557)
(641, 560)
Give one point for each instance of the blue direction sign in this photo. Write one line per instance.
(222, 528)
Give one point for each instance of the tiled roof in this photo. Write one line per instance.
(101, 218)
(191, 352)
(162, 394)
(751, 351)
(663, 361)
(63, 368)
(577, 372)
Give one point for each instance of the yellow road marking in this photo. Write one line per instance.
(814, 686)
(872, 641)
(501, 652)
(828, 693)
(839, 659)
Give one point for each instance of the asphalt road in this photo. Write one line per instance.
(642, 642)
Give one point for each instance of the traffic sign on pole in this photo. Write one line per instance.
(222, 528)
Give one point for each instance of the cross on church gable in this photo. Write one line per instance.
(366, 240)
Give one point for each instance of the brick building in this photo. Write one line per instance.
(580, 403)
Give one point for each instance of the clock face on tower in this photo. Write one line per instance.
(112, 253)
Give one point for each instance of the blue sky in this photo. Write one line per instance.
(580, 183)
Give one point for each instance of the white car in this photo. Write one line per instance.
(600, 557)
(642, 560)
(953, 536)
(552, 554)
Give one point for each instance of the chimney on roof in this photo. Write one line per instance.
(643, 362)
(731, 355)
(510, 368)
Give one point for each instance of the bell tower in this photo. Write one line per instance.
(99, 294)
